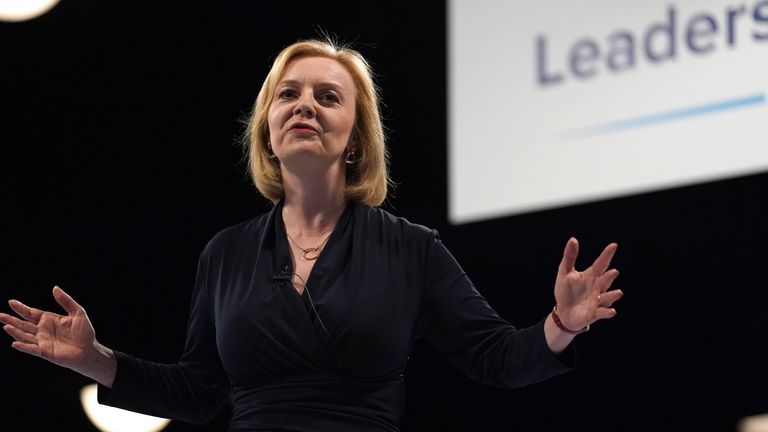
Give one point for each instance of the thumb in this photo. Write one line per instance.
(568, 263)
(66, 302)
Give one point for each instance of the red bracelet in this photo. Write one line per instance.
(560, 325)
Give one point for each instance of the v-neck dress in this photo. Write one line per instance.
(332, 358)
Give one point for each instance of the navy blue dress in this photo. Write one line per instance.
(332, 358)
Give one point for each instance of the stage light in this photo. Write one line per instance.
(22, 10)
(110, 419)
(755, 423)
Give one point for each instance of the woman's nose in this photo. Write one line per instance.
(305, 106)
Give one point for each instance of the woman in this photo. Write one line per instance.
(306, 315)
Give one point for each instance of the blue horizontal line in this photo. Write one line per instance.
(668, 116)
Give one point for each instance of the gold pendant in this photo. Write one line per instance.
(310, 254)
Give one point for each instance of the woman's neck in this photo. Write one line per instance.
(313, 204)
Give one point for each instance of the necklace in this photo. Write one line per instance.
(309, 254)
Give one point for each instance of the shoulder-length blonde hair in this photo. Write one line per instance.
(368, 177)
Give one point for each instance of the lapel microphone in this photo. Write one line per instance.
(284, 275)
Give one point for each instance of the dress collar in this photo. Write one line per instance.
(339, 237)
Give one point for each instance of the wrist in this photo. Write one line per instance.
(103, 366)
(559, 323)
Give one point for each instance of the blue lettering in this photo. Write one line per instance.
(700, 34)
(583, 56)
(665, 30)
(541, 64)
(622, 46)
(760, 14)
(697, 32)
(732, 13)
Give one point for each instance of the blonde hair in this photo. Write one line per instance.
(368, 177)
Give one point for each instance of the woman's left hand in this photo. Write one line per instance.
(584, 297)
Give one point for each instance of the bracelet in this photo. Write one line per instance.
(560, 325)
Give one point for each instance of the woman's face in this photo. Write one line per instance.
(313, 112)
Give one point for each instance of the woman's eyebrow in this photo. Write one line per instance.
(296, 83)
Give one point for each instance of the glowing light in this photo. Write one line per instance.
(755, 423)
(22, 10)
(110, 419)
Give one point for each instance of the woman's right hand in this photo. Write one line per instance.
(66, 340)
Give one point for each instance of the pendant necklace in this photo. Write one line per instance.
(309, 254)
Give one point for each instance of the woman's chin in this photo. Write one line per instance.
(308, 156)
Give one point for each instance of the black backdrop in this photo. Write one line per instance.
(120, 131)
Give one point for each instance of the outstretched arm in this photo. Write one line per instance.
(65, 340)
(582, 298)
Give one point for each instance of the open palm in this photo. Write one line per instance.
(584, 297)
(65, 340)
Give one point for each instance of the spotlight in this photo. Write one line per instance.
(22, 10)
(755, 423)
(110, 419)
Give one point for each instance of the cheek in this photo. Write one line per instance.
(271, 117)
(273, 121)
(346, 122)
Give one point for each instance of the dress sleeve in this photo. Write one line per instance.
(194, 389)
(461, 325)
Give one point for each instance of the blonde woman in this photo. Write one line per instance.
(306, 315)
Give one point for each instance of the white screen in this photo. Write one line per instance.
(557, 102)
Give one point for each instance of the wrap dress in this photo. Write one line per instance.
(333, 357)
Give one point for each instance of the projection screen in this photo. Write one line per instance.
(555, 102)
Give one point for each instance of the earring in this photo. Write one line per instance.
(349, 159)
(271, 152)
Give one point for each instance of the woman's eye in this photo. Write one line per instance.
(286, 94)
(330, 97)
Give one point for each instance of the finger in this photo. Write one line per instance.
(30, 314)
(602, 262)
(568, 263)
(607, 299)
(22, 325)
(605, 281)
(605, 313)
(32, 349)
(6, 319)
(20, 335)
(67, 302)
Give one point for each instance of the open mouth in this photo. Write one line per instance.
(302, 128)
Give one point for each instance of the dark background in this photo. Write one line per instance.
(121, 158)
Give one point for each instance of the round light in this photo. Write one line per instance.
(22, 10)
(754, 423)
(110, 419)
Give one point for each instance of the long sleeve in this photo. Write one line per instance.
(192, 390)
(333, 361)
(461, 325)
